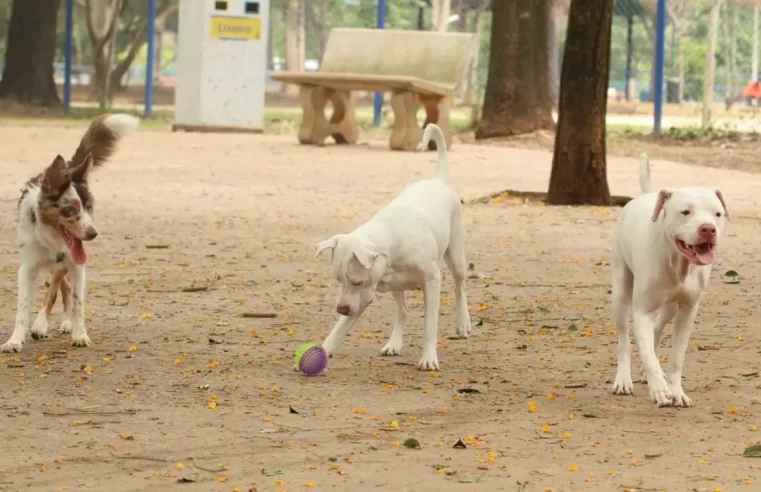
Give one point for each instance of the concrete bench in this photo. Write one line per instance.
(419, 68)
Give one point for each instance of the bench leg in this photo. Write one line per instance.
(406, 134)
(343, 121)
(308, 97)
(342, 125)
(437, 111)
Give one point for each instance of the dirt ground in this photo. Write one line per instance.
(180, 391)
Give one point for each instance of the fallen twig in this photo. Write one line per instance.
(88, 412)
(258, 315)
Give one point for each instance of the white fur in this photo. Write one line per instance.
(399, 249)
(122, 124)
(656, 282)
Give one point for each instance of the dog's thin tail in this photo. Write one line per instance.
(442, 168)
(101, 137)
(644, 173)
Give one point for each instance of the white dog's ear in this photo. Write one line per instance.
(663, 195)
(365, 256)
(327, 244)
(720, 196)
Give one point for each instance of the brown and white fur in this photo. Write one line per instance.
(56, 215)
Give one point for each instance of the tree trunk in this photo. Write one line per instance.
(30, 51)
(754, 58)
(517, 96)
(472, 89)
(708, 80)
(136, 43)
(462, 16)
(579, 175)
(441, 10)
(293, 61)
(101, 24)
(553, 47)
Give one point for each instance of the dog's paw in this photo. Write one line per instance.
(428, 362)
(623, 385)
(464, 327)
(660, 392)
(11, 346)
(40, 327)
(392, 348)
(680, 399)
(81, 340)
(65, 327)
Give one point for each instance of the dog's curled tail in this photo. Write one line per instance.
(433, 131)
(101, 137)
(644, 173)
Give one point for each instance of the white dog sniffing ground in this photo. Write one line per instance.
(664, 246)
(399, 249)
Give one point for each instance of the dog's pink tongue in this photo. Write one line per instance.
(78, 252)
(704, 255)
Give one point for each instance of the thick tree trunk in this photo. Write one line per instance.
(517, 96)
(30, 51)
(579, 174)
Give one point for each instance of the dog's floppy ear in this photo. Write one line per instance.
(720, 196)
(663, 195)
(327, 244)
(56, 177)
(82, 171)
(366, 255)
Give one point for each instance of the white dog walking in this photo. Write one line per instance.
(399, 249)
(661, 260)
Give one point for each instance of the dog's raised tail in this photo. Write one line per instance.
(433, 131)
(644, 173)
(101, 137)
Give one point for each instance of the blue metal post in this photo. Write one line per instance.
(380, 24)
(67, 56)
(660, 61)
(149, 59)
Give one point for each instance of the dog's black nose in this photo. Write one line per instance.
(90, 233)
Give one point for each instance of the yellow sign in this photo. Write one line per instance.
(224, 27)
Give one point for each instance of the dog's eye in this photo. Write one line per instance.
(718, 214)
(356, 284)
(685, 212)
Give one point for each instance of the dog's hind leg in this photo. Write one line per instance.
(623, 285)
(66, 298)
(454, 257)
(40, 325)
(396, 340)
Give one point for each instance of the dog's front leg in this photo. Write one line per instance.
(339, 331)
(79, 336)
(27, 276)
(683, 325)
(644, 331)
(395, 341)
(432, 298)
